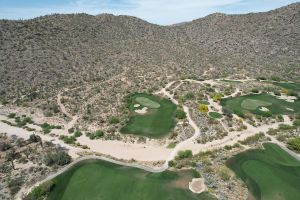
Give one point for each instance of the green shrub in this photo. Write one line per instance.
(184, 154)
(275, 78)
(57, 157)
(294, 144)
(285, 127)
(113, 120)
(252, 139)
(189, 95)
(77, 133)
(99, 134)
(71, 130)
(196, 174)
(41, 192)
(180, 114)
(224, 173)
(171, 163)
(11, 115)
(296, 122)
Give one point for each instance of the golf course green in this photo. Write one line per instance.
(96, 179)
(254, 103)
(157, 119)
(269, 173)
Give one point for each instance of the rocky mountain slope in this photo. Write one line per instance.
(48, 53)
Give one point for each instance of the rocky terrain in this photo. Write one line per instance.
(42, 55)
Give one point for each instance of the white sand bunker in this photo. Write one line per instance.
(264, 109)
(287, 98)
(141, 111)
(197, 185)
(136, 105)
(289, 109)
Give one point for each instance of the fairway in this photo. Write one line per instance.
(254, 102)
(156, 122)
(269, 174)
(95, 180)
(289, 86)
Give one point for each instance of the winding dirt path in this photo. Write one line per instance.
(74, 118)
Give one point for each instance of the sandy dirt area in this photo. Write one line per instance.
(197, 185)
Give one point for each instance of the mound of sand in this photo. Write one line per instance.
(264, 109)
(197, 185)
(290, 109)
(141, 111)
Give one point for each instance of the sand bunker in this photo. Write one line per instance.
(136, 105)
(287, 98)
(197, 185)
(264, 109)
(141, 111)
(290, 109)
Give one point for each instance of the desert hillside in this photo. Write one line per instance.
(50, 52)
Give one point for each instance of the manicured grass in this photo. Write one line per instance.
(144, 101)
(251, 103)
(289, 86)
(95, 180)
(269, 174)
(215, 115)
(157, 122)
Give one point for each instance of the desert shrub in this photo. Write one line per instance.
(203, 108)
(292, 93)
(294, 144)
(196, 174)
(252, 139)
(296, 122)
(40, 192)
(77, 133)
(57, 157)
(227, 112)
(4, 146)
(11, 115)
(275, 78)
(189, 95)
(113, 120)
(184, 154)
(98, 133)
(171, 163)
(34, 138)
(285, 127)
(15, 184)
(217, 96)
(180, 114)
(224, 173)
(261, 78)
(71, 130)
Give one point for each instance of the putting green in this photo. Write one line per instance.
(269, 174)
(147, 102)
(252, 104)
(156, 122)
(95, 180)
